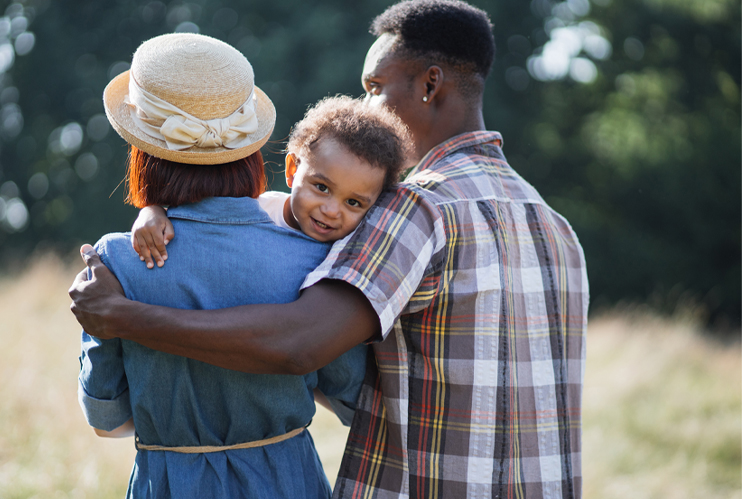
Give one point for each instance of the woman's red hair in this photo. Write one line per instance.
(156, 181)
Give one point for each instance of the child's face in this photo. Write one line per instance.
(331, 190)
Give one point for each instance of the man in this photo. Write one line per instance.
(472, 290)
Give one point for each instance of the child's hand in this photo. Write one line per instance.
(152, 230)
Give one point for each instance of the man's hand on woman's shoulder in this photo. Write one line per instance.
(95, 298)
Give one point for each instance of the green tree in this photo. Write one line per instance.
(644, 156)
(625, 115)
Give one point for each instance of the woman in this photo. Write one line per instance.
(195, 122)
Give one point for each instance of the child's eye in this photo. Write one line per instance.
(321, 187)
(354, 203)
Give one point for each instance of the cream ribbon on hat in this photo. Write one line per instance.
(180, 130)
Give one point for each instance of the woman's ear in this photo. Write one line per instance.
(292, 163)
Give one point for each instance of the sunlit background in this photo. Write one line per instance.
(625, 114)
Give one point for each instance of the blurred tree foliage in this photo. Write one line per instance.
(645, 160)
(624, 114)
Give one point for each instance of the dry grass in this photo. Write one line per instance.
(47, 448)
(661, 411)
(662, 406)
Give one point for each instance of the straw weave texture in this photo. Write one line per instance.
(202, 76)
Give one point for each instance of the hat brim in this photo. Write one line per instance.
(119, 114)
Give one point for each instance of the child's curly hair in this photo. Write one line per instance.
(374, 134)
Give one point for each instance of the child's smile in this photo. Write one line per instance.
(331, 190)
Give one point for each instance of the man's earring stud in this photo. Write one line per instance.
(425, 98)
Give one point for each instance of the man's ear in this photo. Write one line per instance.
(433, 81)
(292, 163)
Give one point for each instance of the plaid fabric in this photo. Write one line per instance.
(482, 294)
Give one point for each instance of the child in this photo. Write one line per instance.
(340, 157)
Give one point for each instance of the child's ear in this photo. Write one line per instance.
(292, 163)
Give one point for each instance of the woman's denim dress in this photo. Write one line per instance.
(226, 253)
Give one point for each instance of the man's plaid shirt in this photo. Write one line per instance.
(482, 295)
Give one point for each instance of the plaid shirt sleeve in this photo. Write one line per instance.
(393, 257)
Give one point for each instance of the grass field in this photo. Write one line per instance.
(662, 407)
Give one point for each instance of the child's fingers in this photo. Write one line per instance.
(153, 242)
(135, 243)
(144, 253)
(157, 256)
(169, 233)
(159, 249)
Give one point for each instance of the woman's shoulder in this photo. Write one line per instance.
(115, 246)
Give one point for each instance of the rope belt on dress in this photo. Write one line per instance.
(217, 448)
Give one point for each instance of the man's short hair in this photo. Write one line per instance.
(448, 31)
(374, 134)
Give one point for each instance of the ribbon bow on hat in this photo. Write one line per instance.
(180, 130)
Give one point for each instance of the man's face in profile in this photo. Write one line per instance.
(390, 81)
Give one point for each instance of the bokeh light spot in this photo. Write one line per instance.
(14, 10)
(187, 27)
(597, 47)
(633, 48)
(583, 70)
(16, 214)
(7, 57)
(71, 138)
(11, 120)
(9, 190)
(25, 43)
(4, 27)
(98, 127)
(9, 95)
(38, 185)
(66, 139)
(117, 68)
(580, 8)
(178, 14)
(86, 166)
(517, 78)
(18, 25)
(626, 84)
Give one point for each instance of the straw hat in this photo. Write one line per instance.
(191, 99)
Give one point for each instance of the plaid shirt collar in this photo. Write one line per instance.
(455, 143)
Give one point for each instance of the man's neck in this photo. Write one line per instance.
(450, 121)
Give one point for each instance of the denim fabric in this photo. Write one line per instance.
(226, 253)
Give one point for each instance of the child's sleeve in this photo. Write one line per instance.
(341, 380)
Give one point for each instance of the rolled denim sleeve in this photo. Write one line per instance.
(103, 390)
(340, 381)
